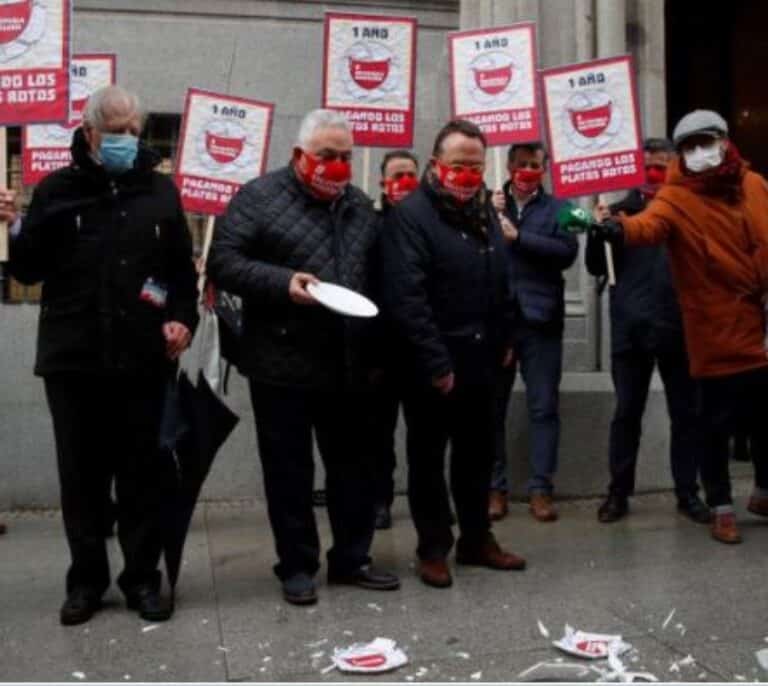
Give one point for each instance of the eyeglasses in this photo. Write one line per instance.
(331, 155)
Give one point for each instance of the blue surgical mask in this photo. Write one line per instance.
(118, 151)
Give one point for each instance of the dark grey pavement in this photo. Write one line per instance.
(231, 624)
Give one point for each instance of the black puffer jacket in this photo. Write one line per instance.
(94, 240)
(272, 229)
(444, 291)
(645, 313)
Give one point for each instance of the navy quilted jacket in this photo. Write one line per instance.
(272, 229)
(537, 260)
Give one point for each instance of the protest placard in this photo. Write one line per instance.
(34, 61)
(493, 81)
(224, 143)
(369, 66)
(593, 126)
(45, 147)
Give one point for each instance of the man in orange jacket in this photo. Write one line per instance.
(713, 215)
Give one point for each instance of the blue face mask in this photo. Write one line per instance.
(118, 152)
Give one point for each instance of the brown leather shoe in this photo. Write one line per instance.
(758, 505)
(497, 505)
(542, 507)
(490, 555)
(435, 573)
(723, 528)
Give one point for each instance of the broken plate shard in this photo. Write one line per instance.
(590, 645)
(380, 655)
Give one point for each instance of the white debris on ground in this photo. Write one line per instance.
(149, 627)
(762, 658)
(347, 632)
(590, 645)
(476, 676)
(79, 675)
(462, 655)
(543, 630)
(380, 655)
(669, 618)
(374, 606)
(223, 649)
(317, 644)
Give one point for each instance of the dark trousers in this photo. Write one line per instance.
(539, 354)
(730, 404)
(105, 428)
(631, 372)
(465, 417)
(385, 408)
(285, 420)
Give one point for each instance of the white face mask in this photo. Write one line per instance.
(702, 158)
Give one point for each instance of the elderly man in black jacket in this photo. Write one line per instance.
(538, 252)
(445, 296)
(306, 366)
(108, 238)
(647, 331)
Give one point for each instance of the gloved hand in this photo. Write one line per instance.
(609, 230)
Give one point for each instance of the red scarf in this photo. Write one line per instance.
(724, 181)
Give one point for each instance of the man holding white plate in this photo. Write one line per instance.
(286, 235)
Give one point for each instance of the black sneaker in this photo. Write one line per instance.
(81, 604)
(613, 509)
(299, 589)
(366, 577)
(383, 517)
(693, 508)
(149, 603)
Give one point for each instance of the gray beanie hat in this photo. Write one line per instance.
(699, 121)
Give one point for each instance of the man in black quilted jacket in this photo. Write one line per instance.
(307, 366)
(445, 296)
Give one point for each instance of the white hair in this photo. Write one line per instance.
(320, 119)
(107, 102)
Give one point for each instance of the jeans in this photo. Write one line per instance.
(539, 354)
(631, 372)
(285, 421)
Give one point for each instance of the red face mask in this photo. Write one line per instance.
(397, 189)
(527, 180)
(461, 182)
(656, 174)
(326, 180)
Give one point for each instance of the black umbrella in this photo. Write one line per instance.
(195, 425)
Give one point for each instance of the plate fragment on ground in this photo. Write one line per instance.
(380, 655)
(591, 645)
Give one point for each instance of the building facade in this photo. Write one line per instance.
(271, 50)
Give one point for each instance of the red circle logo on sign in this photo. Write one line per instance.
(14, 17)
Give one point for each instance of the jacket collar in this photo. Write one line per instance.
(537, 197)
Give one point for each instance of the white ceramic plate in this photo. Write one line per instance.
(342, 300)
